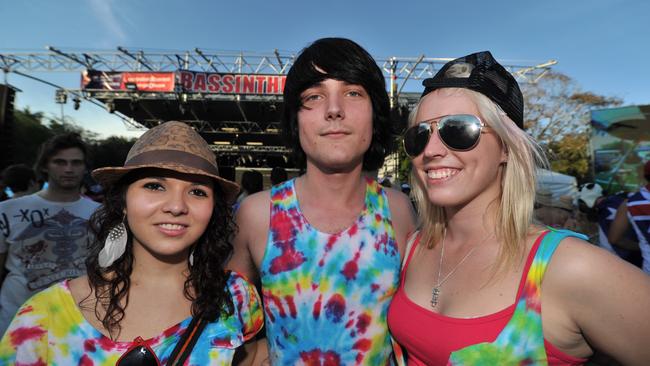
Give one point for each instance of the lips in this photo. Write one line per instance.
(335, 133)
(172, 229)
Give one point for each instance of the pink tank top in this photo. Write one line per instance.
(430, 338)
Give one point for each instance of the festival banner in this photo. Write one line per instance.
(188, 81)
(621, 145)
(137, 81)
(230, 83)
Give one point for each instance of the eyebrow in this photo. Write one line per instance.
(165, 179)
(320, 85)
(315, 85)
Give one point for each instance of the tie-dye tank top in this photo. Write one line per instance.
(520, 341)
(326, 296)
(49, 329)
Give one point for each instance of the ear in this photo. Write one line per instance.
(504, 154)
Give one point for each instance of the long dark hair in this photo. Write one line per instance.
(206, 285)
(344, 60)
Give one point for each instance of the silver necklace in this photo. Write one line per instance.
(435, 292)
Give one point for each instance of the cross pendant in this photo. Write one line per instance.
(434, 297)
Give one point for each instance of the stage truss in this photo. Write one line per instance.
(237, 125)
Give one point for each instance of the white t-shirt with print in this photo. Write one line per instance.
(45, 242)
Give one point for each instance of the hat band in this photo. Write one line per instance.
(175, 157)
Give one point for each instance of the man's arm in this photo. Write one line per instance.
(618, 228)
(249, 242)
(403, 217)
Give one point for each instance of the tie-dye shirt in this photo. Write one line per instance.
(521, 342)
(49, 329)
(326, 295)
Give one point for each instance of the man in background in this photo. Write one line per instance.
(21, 179)
(278, 175)
(44, 236)
(601, 208)
(635, 212)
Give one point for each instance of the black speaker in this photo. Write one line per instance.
(7, 97)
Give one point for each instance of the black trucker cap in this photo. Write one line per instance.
(487, 77)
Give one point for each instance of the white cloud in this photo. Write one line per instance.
(104, 10)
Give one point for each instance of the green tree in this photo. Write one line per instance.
(404, 167)
(60, 126)
(29, 133)
(111, 151)
(569, 155)
(557, 116)
(32, 129)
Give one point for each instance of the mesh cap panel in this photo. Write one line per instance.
(487, 77)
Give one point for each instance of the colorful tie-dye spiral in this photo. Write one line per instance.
(326, 296)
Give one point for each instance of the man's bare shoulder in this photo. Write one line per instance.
(400, 204)
(14, 203)
(253, 204)
(397, 196)
(402, 214)
(252, 218)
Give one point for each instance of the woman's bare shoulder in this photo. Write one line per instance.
(80, 289)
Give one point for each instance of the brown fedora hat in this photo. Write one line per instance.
(173, 146)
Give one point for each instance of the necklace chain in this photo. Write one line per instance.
(435, 292)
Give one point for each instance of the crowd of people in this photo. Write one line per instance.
(459, 266)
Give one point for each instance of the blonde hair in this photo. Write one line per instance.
(514, 210)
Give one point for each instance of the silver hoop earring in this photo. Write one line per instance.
(114, 245)
(191, 259)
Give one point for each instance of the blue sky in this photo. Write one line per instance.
(603, 45)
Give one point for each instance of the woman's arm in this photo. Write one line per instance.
(602, 297)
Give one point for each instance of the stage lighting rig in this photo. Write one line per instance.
(61, 96)
(110, 106)
(77, 103)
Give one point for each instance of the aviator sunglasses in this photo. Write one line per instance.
(458, 132)
(139, 354)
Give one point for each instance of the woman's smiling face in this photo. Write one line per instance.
(455, 178)
(168, 212)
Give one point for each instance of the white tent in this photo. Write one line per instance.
(557, 183)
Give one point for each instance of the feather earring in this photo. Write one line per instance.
(114, 245)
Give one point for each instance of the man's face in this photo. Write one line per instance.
(335, 125)
(65, 169)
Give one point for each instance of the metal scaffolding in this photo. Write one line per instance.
(234, 124)
(397, 70)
